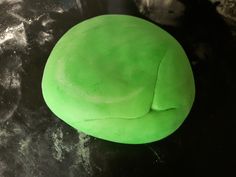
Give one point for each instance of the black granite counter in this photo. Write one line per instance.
(35, 143)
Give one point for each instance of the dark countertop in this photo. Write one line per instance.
(35, 143)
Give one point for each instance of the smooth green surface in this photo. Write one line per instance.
(119, 78)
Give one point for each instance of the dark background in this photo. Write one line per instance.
(35, 143)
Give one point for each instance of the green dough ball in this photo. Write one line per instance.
(119, 78)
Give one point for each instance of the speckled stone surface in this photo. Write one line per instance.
(35, 143)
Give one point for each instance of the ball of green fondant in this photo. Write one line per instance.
(119, 78)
